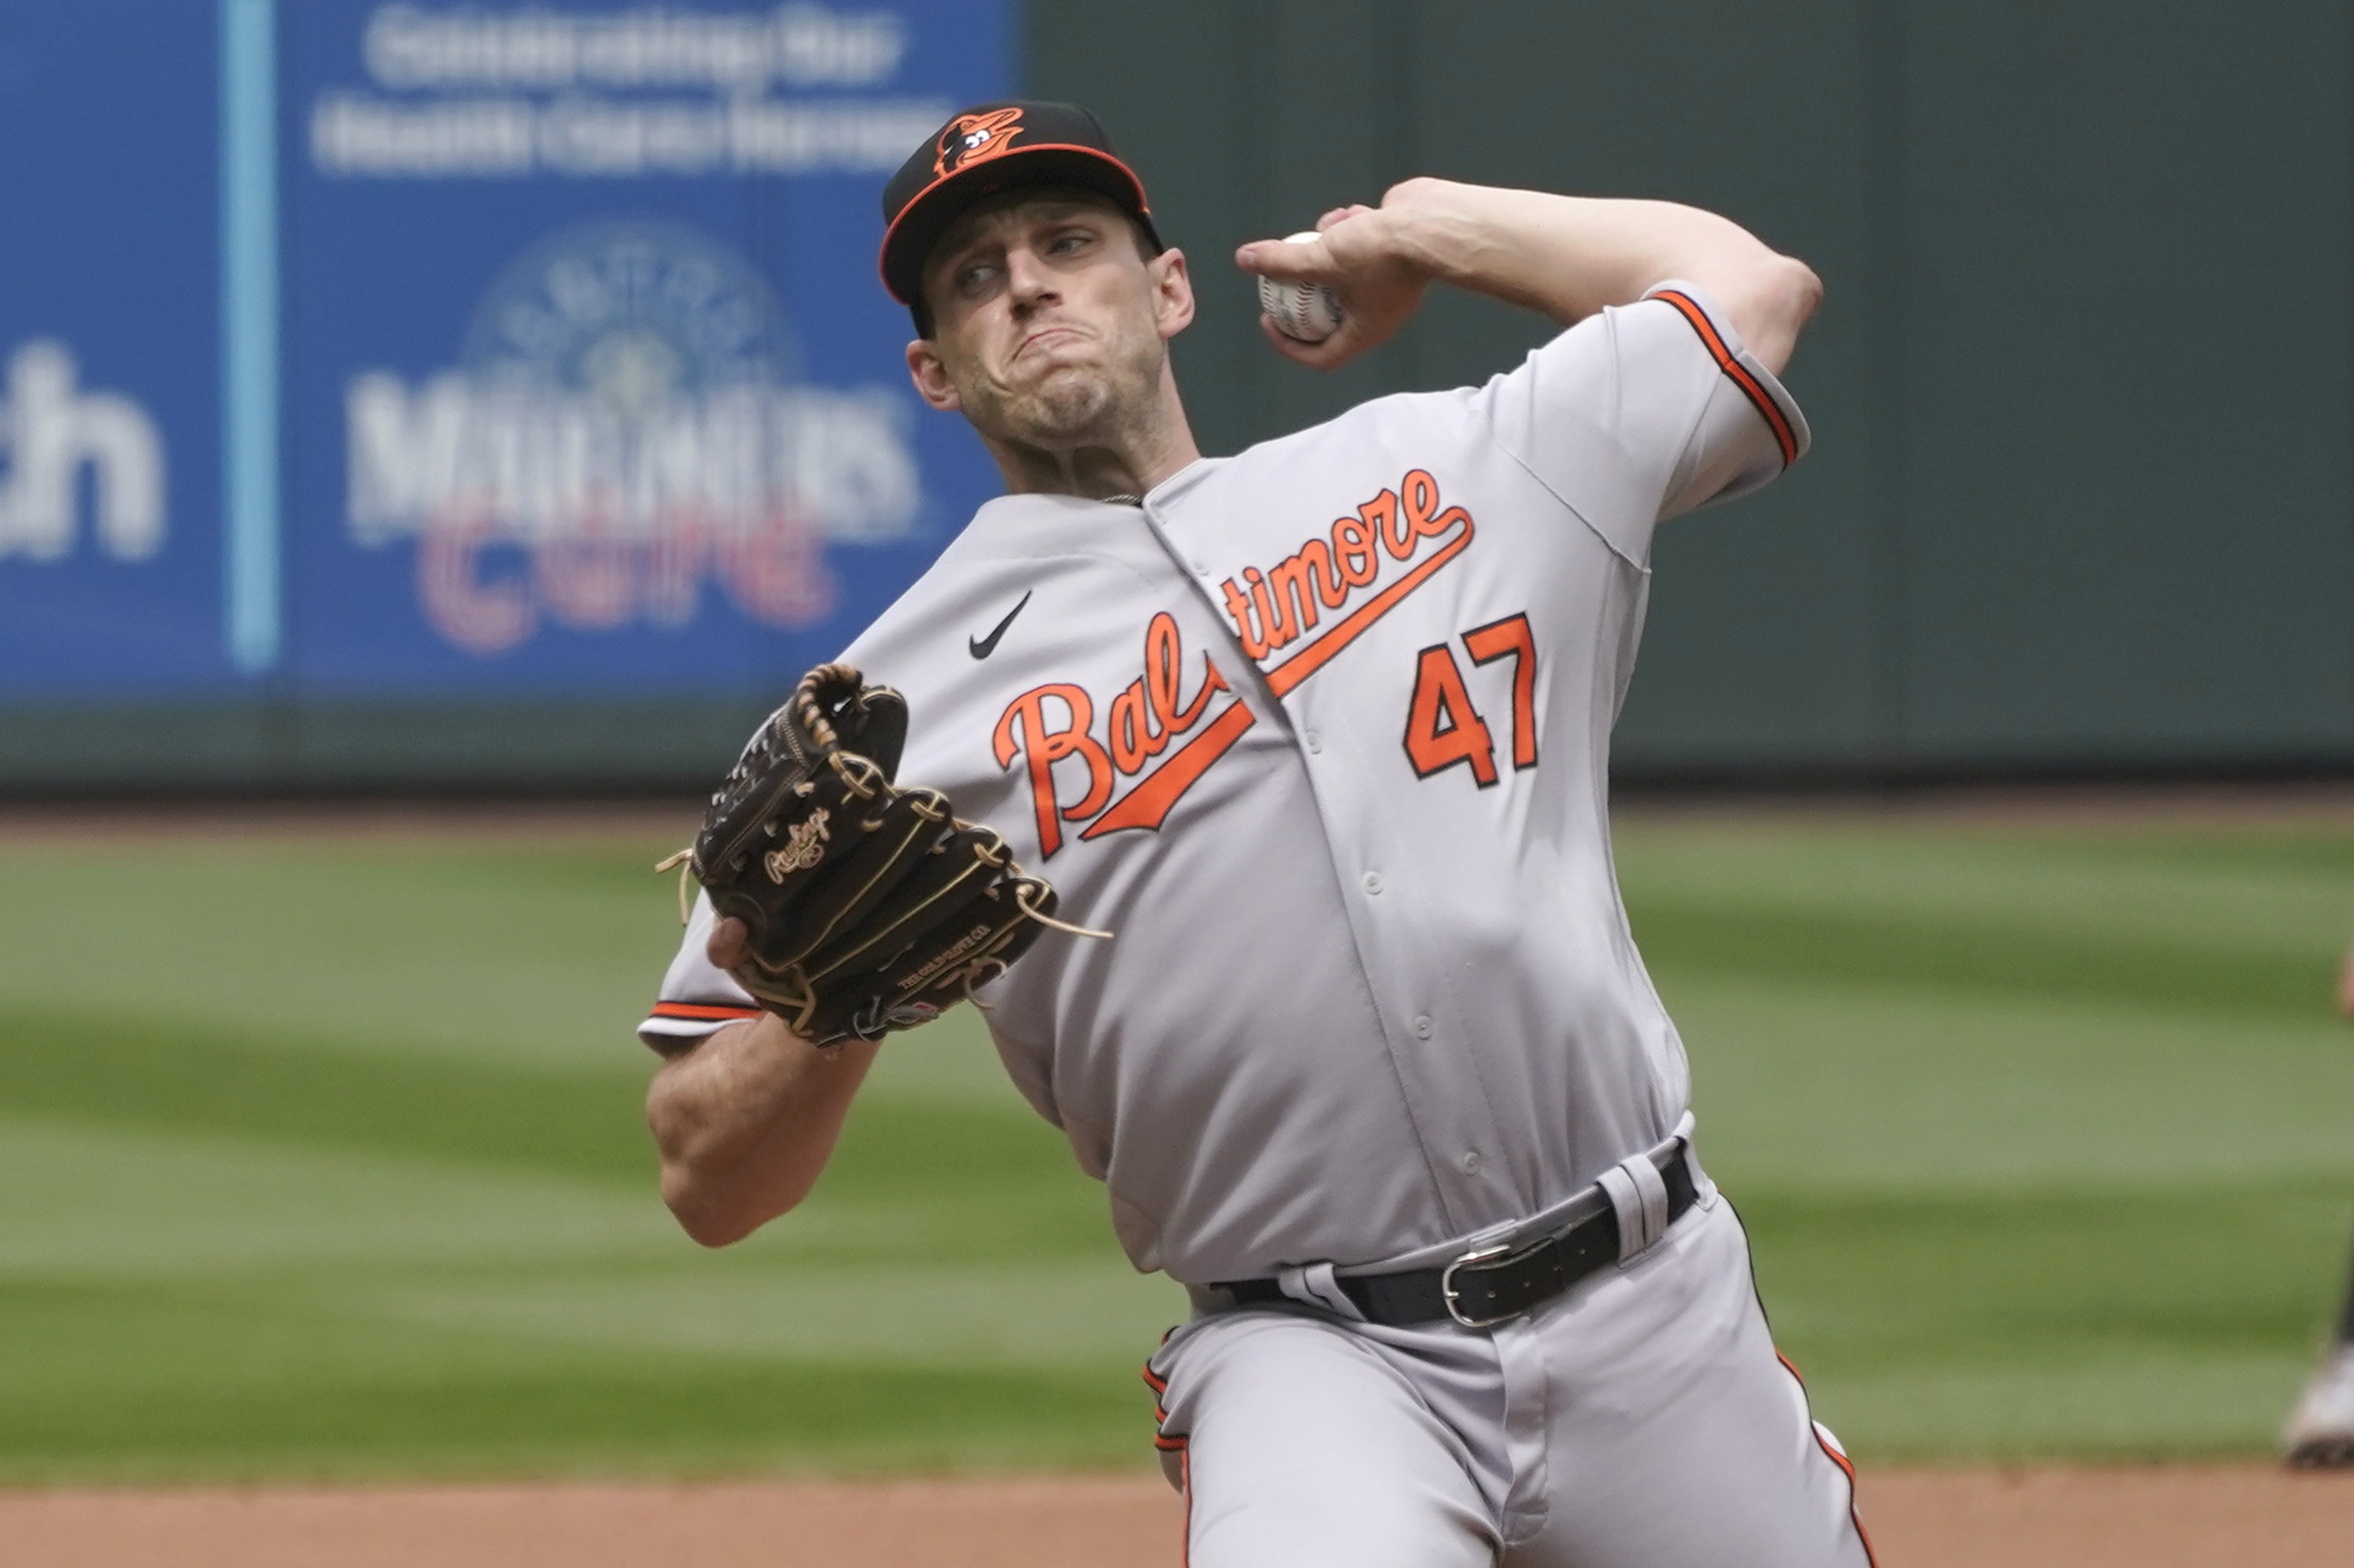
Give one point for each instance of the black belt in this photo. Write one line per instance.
(1486, 1286)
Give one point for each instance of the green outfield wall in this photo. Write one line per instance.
(2081, 389)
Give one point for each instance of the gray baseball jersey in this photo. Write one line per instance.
(1320, 731)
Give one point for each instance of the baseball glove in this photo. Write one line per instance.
(870, 907)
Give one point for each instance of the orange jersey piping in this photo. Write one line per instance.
(1738, 372)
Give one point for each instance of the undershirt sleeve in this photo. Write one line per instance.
(695, 998)
(1644, 411)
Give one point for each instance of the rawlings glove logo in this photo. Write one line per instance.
(805, 846)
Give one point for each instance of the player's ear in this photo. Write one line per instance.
(930, 372)
(1172, 292)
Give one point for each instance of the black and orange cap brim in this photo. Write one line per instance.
(908, 243)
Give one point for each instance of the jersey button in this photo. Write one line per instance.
(1423, 1028)
(1201, 568)
(1373, 882)
(1315, 741)
(1470, 1162)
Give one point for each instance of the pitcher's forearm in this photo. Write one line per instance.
(745, 1123)
(1570, 256)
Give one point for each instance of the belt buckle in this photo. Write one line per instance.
(1501, 1252)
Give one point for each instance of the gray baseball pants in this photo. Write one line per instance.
(1641, 1420)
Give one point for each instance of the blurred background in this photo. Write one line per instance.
(431, 434)
(475, 398)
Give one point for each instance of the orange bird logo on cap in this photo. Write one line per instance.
(973, 138)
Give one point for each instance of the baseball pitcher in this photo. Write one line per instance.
(1317, 733)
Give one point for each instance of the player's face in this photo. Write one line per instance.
(1050, 325)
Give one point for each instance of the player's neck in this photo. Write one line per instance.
(1128, 463)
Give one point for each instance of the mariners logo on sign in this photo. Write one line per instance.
(626, 427)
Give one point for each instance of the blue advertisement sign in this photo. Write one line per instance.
(543, 342)
(110, 549)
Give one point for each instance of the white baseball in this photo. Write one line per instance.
(1309, 312)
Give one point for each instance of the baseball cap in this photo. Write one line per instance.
(988, 148)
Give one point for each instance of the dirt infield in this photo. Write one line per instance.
(2160, 1518)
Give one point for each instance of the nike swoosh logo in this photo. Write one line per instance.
(983, 647)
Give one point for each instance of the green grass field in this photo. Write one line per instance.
(327, 1161)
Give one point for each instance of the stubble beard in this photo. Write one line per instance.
(1104, 404)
